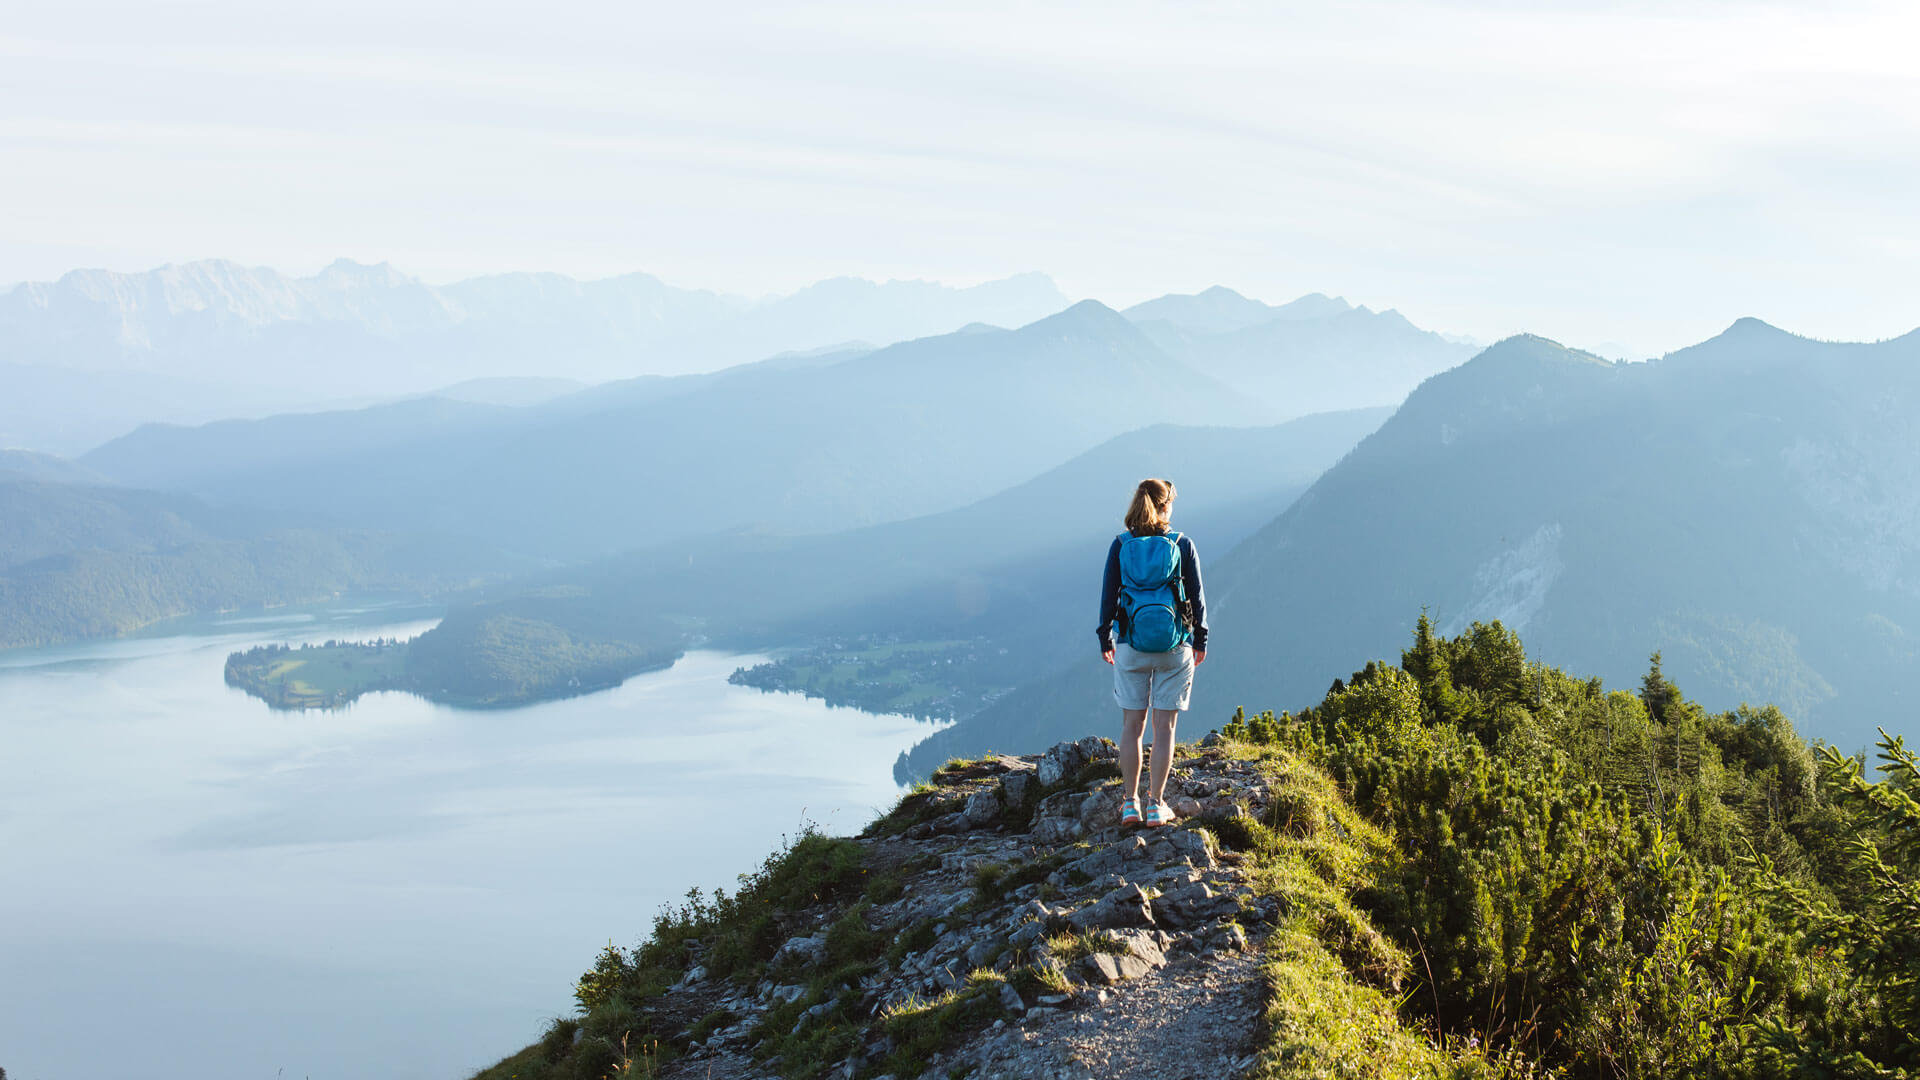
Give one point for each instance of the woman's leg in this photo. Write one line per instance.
(1163, 722)
(1133, 724)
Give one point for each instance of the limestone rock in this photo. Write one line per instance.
(1030, 912)
(1100, 810)
(1108, 969)
(981, 953)
(1191, 905)
(1145, 945)
(1060, 762)
(951, 823)
(1026, 935)
(1057, 830)
(1193, 845)
(1018, 787)
(983, 806)
(1095, 748)
(806, 950)
(1127, 905)
(1010, 999)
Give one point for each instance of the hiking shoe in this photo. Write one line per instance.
(1159, 814)
(1130, 813)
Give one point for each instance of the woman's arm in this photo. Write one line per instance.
(1109, 600)
(1196, 593)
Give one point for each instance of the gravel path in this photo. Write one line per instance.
(1193, 1020)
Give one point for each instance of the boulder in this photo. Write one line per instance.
(1018, 787)
(1025, 936)
(951, 823)
(1095, 748)
(1100, 810)
(1146, 945)
(807, 950)
(1233, 937)
(1192, 844)
(1010, 999)
(981, 953)
(1115, 857)
(1127, 905)
(1057, 830)
(983, 807)
(1107, 969)
(1061, 762)
(1031, 911)
(1192, 904)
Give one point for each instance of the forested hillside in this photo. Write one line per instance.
(80, 561)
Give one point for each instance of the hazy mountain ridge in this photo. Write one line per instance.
(88, 560)
(799, 447)
(1746, 505)
(46, 468)
(982, 561)
(219, 320)
(1315, 354)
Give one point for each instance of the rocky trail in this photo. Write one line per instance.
(1098, 951)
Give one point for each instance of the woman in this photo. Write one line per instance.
(1153, 630)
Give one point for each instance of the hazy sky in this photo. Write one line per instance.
(1642, 173)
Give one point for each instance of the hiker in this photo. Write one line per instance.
(1153, 630)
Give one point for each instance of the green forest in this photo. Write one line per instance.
(479, 659)
(1618, 884)
(1488, 867)
(929, 680)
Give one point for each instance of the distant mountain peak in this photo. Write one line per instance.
(355, 274)
(1748, 327)
(1527, 352)
(1087, 314)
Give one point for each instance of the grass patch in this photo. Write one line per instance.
(917, 938)
(884, 887)
(921, 1029)
(711, 1023)
(1077, 945)
(994, 882)
(924, 803)
(1032, 979)
(1319, 1022)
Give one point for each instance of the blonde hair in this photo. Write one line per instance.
(1152, 507)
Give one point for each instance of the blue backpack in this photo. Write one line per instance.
(1152, 594)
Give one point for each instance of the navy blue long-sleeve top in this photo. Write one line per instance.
(1189, 576)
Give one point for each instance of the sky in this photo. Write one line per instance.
(1633, 174)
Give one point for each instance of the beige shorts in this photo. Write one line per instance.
(1161, 680)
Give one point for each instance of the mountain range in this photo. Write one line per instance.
(96, 353)
(1749, 507)
(795, 447)
(1316, 354)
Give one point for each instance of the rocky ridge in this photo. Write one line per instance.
(1019, 886)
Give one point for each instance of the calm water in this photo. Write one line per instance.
(193, 885)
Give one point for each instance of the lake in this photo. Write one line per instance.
(195, 885)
